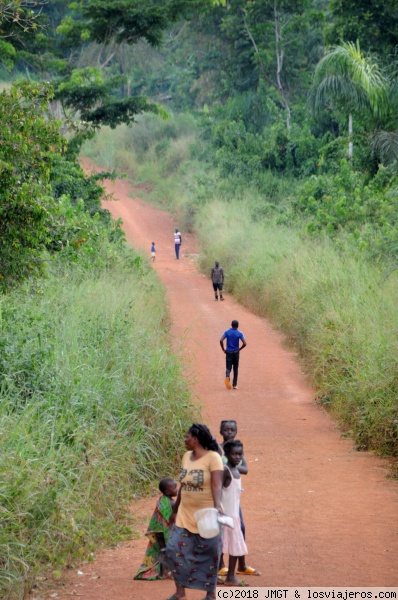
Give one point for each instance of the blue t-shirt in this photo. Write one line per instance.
(232, 336)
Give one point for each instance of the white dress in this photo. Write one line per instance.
(233, 541)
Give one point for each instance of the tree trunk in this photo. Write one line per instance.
(253, 41)
(350, 143)
(279, 63)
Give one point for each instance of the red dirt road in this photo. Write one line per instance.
(317, 513)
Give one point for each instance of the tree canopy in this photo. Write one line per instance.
(373, 23)
(248, 69)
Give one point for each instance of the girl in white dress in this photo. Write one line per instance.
(233, 542)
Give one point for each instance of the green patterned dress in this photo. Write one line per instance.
(159, 526)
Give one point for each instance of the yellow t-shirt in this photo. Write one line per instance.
(195, 482)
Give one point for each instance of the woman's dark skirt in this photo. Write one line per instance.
(193, 560)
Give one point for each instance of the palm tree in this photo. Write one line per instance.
(384, 142)
(347, 79)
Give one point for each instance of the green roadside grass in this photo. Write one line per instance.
(336, 308)
(93, 405)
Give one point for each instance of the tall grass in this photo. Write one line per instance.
(152, 145)
(92, 410)
(335, 308)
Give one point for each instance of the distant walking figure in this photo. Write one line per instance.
(177, 242)
(232, 335)
(153, 252)
(217, 277)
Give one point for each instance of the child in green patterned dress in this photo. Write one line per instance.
(158, 532)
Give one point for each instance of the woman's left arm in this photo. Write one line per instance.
(216, 488)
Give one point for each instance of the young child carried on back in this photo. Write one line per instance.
(233, 542)
(158, 532)
(229, 431)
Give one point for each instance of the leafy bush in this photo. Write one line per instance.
(349, 202)
(243, 152)
(27, 144)
(46, 201)
(68, 178)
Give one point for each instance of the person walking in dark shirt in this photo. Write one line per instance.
(217, 278)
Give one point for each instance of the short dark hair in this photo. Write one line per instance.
(228, 421)
(229, 446)
(165, 483)
(235, 324)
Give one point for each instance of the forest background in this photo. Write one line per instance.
(268, 127)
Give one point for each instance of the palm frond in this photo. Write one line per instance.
(349, 78)
(385, 145)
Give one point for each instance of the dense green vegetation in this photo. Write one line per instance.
(280, 148)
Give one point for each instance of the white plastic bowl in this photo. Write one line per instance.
(207, 521)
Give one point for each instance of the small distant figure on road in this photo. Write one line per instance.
(232, 350)
(158, 532)
(153, 252)
(177, 242)
(217, 277)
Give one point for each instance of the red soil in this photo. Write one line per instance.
(317, 512)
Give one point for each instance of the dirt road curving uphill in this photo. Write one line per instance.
(317, 513)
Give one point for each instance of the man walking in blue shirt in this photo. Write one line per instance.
(232, 350)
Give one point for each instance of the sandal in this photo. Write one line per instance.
(248, 571)
(223, 572)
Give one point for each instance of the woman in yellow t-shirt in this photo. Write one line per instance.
(193, 560)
